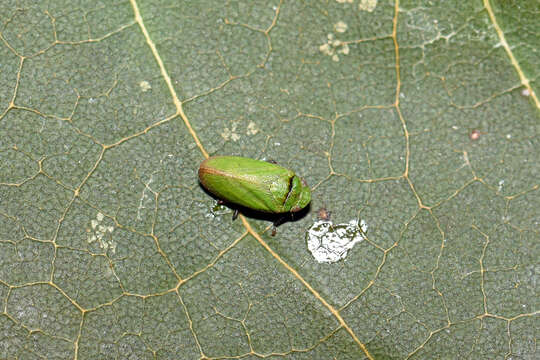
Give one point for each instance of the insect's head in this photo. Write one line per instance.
(304, 197)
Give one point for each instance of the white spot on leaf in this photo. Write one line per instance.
(367, 5)
(326, 49)
(329, 243)
(145, 86)
(230, 134)
(333, 46)
(98, 233)
(340, 27)
(252, 128)
(344, 49)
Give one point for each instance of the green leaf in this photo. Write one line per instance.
(420, 118)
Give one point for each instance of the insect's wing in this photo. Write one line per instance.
(251, 183)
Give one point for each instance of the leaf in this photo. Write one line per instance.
(419, 118)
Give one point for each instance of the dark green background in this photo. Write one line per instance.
(109, 247)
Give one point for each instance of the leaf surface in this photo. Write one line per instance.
(419, 117)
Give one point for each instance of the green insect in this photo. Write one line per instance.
(254, 184)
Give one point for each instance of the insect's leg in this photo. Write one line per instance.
(278, 222)
(271, 161)
(235, 214)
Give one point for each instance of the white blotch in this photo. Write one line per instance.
(345, 1)
(525, 92)
(367, 5)
(455, 127)
(334, 46)
(501, 183)
(344, 50)
(329, 243)
(98, 233)
(277, 143)
(326, 49)
(340, 27)
(230, 134)
(92, 101)
(508, 136)
(252, 128)
(145, 86)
